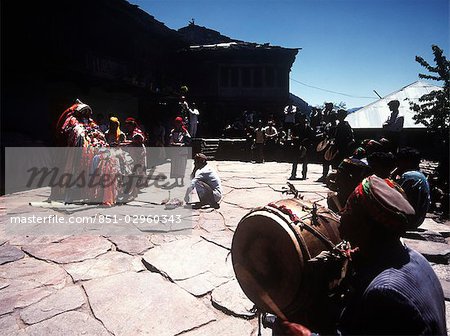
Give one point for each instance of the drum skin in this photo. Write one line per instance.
(269, 254)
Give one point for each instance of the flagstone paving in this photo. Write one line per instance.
(132, 280)
(66, 299)
(9, 253)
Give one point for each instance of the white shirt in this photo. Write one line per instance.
(193, 116)
(209, 176)
(289, 113)
(270, 131)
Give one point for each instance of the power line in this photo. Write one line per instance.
(339, 93)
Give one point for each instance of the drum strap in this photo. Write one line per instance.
(297, 221)
(316, 233)
(272, 209)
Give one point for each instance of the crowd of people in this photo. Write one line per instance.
(297, 136)
(324, 136)
(119, 152)
(378, 189)
(380, 193)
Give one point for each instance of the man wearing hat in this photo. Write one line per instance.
(392, 290)
(343, 138)
(205, 182)
(133, 132)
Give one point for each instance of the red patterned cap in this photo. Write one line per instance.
(381, 200)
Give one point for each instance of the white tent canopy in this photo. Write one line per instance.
(376, 113)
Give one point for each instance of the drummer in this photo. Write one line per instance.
(329, 131)
(344, 139)
(394, 290)
(302, 146)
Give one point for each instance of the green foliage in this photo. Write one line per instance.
(341, 106)
(433, 109)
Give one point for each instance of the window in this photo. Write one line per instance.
(270, 77)
(234, 77)
(224, 76)
(246, 77)
(257, 77)
(281, 77)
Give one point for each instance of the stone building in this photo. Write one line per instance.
(230, 76)
(122, 61)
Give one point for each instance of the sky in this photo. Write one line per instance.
(347, 46)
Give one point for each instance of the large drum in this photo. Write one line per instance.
(270, 250)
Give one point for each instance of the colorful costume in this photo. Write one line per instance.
(76, 128)
(114, 135)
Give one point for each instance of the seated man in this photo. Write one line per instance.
(393, 290)
(206, 183)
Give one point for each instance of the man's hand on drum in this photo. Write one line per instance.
(327, 266)
(286, 328)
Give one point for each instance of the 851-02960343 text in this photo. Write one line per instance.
(97, 219)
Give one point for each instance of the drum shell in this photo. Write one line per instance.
(331, 153)
(322, 145)
(270, 253)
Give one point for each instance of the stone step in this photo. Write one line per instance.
(209, 144)
(214, 147)
(209, 150)
(209, 147)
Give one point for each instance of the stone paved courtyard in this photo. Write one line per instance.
(148, 283)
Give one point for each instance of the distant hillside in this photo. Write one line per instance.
(354, 109)
(304, 107)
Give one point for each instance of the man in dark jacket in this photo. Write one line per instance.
(302, 147)
(344, 139)
(394, 125)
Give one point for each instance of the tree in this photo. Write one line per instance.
(341, 106)
(433, 109)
